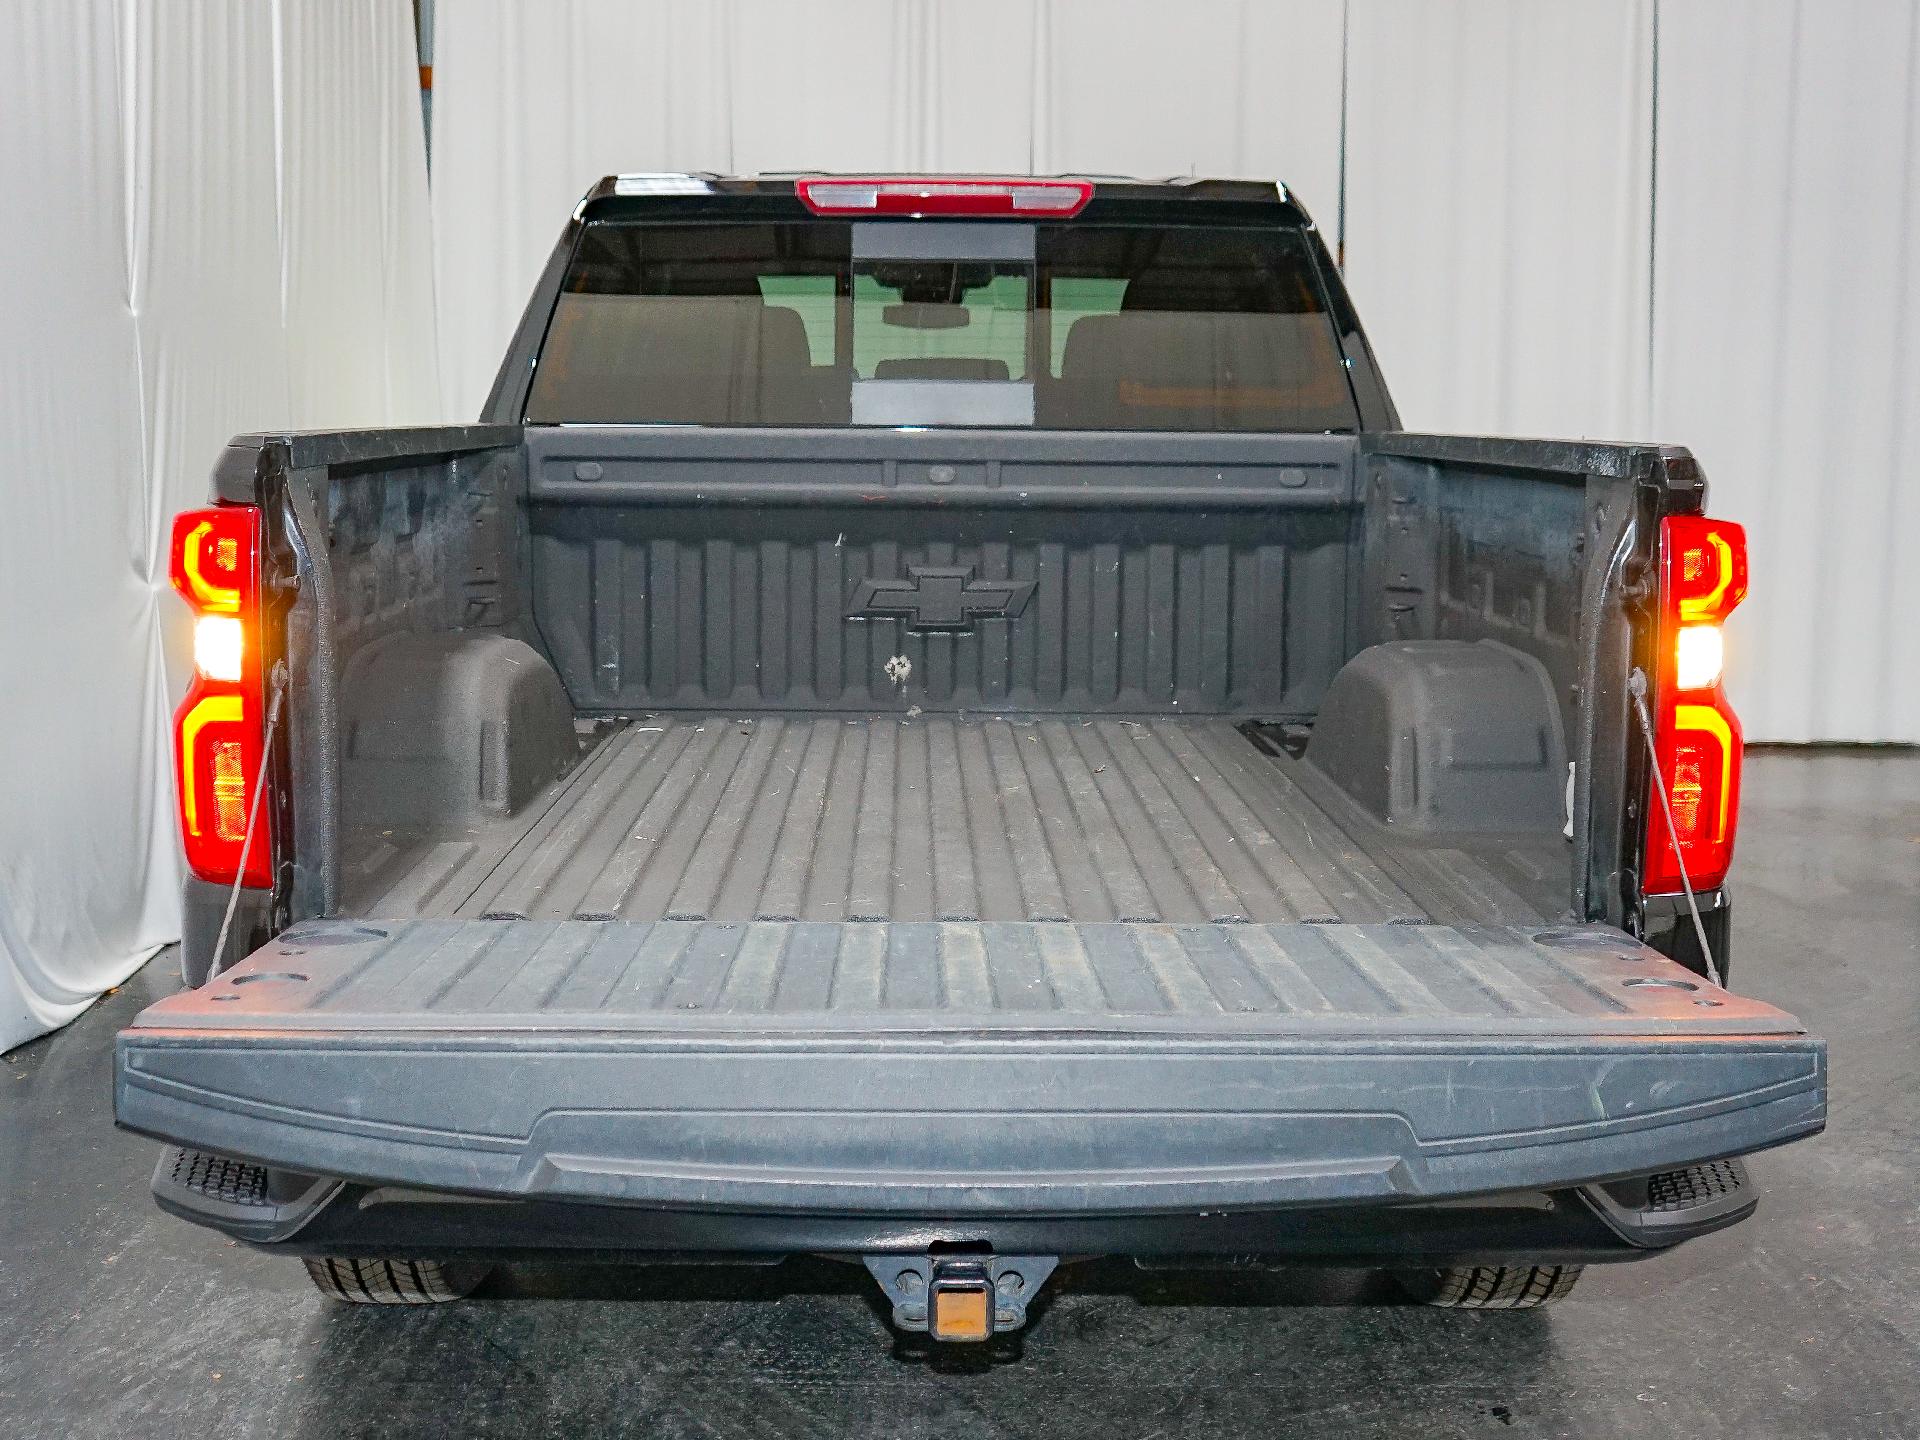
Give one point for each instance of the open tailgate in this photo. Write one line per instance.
(965, 1068)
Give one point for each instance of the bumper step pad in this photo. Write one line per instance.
(245, 1200)
(1674, 1191)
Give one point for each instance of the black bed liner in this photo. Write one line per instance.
(950, 817)
(710, 977)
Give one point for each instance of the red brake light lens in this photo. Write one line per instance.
(215, 557)
(219, 749)
(926, 195)
(1703, 576)
(1703, 567)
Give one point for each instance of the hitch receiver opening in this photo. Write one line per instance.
(961, 1298)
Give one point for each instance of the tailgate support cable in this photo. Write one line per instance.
(1637, 686)
(253, 817)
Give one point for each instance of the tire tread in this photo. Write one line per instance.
(1497, 1287)
(391, 1282)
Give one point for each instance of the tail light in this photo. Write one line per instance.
(1703, 576)
(927, 195)
(219, 750)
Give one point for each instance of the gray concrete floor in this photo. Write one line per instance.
(115, 1320)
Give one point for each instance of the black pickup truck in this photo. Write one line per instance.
(942, 722)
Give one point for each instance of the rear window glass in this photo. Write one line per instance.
(1104, 327)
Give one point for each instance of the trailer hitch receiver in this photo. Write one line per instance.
(961, 1298)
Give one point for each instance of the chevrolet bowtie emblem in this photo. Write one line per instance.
(939, 597)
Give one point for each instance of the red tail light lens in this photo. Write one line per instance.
(218, 729)
(1703, 576)
(927, 195)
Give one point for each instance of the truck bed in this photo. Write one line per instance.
(1083, 819)
(836, 918)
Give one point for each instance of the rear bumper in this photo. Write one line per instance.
(306, 1215)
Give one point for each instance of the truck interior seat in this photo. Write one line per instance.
(689, 359)
(1199, 370)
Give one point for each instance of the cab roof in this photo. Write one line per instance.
(687, 194)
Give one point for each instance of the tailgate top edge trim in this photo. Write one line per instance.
(166, 1031)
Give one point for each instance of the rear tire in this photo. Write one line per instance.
(394, 1282)
(1490, 1287)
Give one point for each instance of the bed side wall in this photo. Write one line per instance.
(1543, 546)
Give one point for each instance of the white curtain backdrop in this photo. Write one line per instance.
(216, 221)
(1685, 220)
(1786, 303)
(1498, 169)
